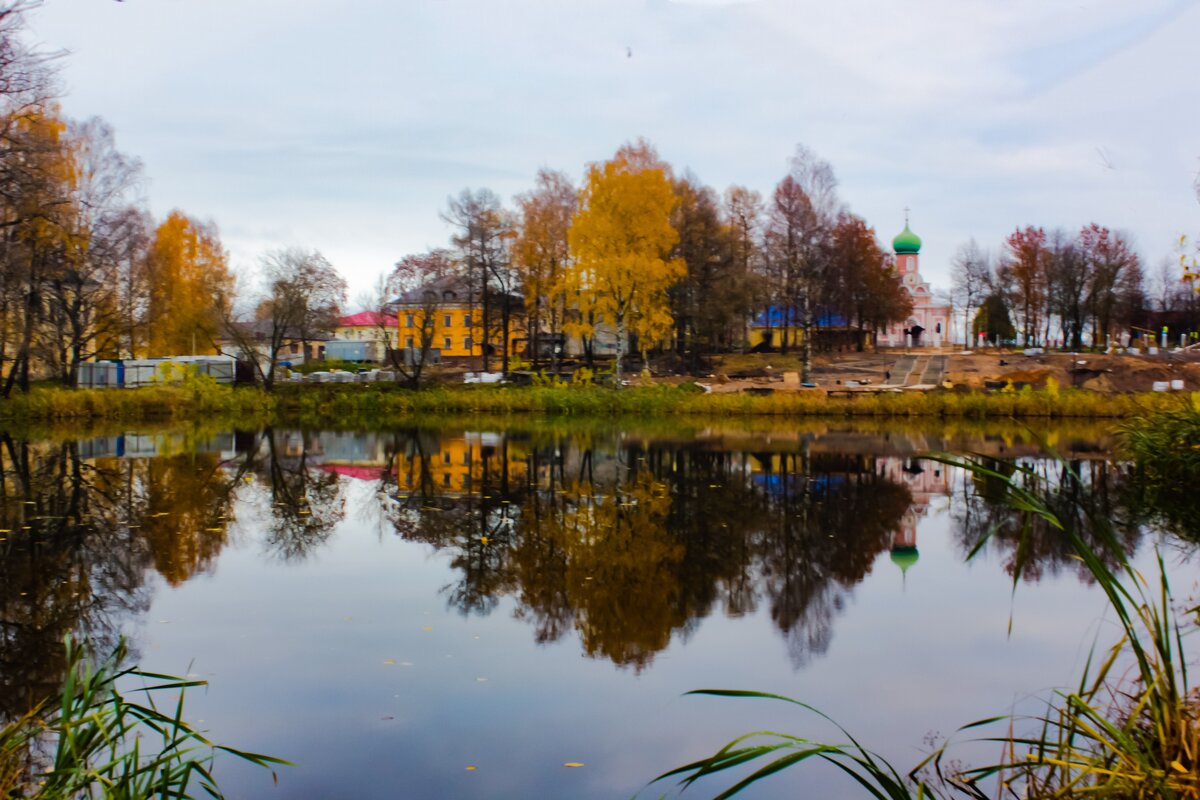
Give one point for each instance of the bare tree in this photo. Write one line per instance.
(971, 282)
(421, 284)
(84, 293)
(482, 235)
(299, 293)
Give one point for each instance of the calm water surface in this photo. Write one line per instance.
(387, 609)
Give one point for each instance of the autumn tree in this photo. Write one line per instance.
(621, 240)
(541, 255)
(188, 279)
(743, 210)
(1114, 276)
(863, 283)
(971, 280)
(803, 211)
(1023, 269)
(39, 235)
(711, 297)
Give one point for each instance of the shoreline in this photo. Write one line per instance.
(376, 404)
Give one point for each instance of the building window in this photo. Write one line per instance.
(408, 320)
(467, 320)
(446, 457)
(467, 343)
(446, 344)
(446, 479)
(408, 342)
(446, 321)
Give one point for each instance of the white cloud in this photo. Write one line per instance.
(345, 128)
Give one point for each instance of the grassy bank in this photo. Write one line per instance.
(371, 401)
(374, 404)
(190, 400)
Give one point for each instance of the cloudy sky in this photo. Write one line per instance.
(345, 126)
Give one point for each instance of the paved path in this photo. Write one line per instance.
(901, 370)
(934, 370)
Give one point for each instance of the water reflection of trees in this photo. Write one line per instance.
(986, 520)
(78, 537)
(306, 502)
(632, 544)
(626, 543)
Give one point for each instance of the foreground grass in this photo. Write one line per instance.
(94, 741)
(373, 404)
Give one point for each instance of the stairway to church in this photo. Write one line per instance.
(901, 371)
(935, 368)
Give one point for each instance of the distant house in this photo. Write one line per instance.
(365, 336)
(257, 336)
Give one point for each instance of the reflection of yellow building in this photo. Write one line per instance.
(460, 465)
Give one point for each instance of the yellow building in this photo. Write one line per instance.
(457, 324)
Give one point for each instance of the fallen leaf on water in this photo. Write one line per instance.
(481, 680)
(427, 628)
(388, 717)
(573, 764)
(391, 662)
(471, 767)
(483, 540)
(405, 664)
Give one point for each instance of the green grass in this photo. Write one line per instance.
(194, 399)
(369, 403)
(93, 741)
(1129, 728)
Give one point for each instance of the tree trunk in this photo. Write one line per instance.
(806, 345)
(620, 346)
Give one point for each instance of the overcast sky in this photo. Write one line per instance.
(345, 126)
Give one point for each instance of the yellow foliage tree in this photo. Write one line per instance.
(620, 241)
(188, 277)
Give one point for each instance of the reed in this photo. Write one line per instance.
(93, 741)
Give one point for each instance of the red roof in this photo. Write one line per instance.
(365, 319)
(354, 471)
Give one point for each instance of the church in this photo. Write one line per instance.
(928, 324)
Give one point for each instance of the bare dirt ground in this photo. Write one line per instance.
(1108, 374)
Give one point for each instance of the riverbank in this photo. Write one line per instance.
(372, 404)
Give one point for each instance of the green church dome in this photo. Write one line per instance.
(904, 557)
(906, 241)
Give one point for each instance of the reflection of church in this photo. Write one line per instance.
(925, 480)
(929, 323)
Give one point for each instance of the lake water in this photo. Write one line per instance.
(458, 612)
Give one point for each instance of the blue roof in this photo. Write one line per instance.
(773, 318)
